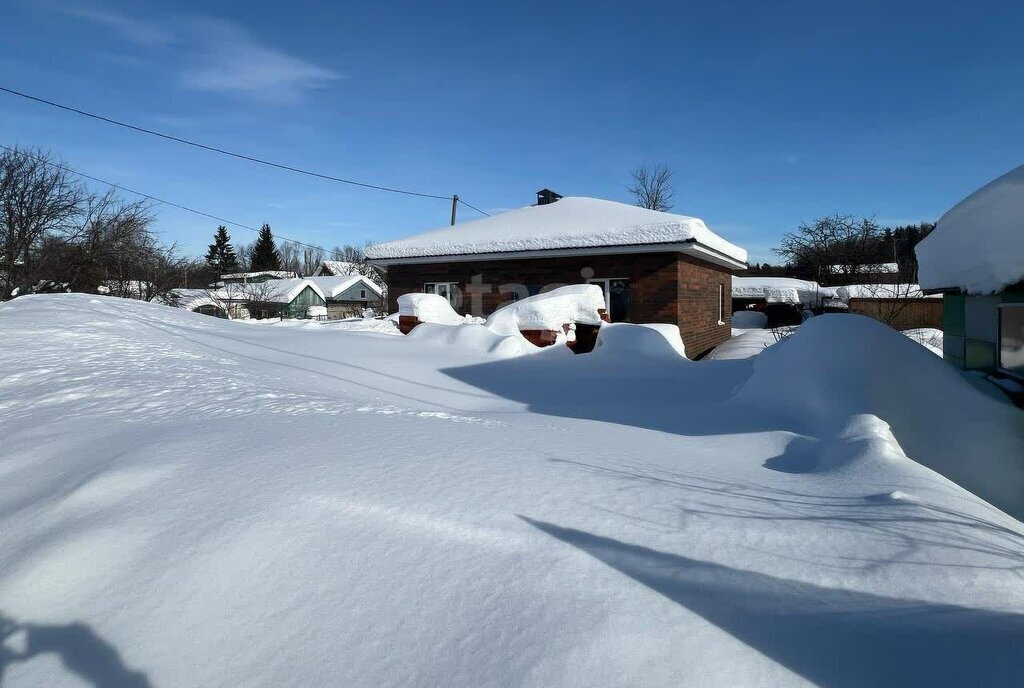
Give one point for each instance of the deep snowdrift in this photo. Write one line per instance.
(186, 501)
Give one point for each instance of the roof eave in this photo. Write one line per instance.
(691, 247)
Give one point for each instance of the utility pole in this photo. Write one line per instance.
(455, 206)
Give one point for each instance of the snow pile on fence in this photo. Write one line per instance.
(429, 308)
(976, 246)
(575, 303)
(781, 290)
(572, 222)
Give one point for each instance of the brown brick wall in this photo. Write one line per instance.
(664, 287)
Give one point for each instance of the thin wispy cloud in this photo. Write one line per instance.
(233, 61)
(132, 29)
(213, 55)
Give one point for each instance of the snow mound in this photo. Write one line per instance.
(569, 223)
(840, 366)
(928, 337)
(749, 320)
(643, 341)
(429, 308)
(880, 291)
(744, 345)
(976, 246)
(576, 303)
(472, 337)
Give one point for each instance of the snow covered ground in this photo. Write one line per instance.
(188, 501)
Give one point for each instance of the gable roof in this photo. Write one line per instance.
(333, 286)
(573, 224)
(976, 246)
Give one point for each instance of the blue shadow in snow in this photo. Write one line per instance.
(835, 638)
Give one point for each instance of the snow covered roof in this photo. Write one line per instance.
(570, 224)
(330, 268)
(879, 291)
(333, 286)
(882, 268)
(977, 245)
(780, 290)
(285, 290)
(273, 274)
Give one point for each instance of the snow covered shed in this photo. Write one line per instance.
(348, 296)
(975, 259)
(653, 267)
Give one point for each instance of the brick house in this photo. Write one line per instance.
(653, 267)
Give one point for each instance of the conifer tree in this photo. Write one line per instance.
(221, 255)
(264, 252)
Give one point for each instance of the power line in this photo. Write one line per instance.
(473, 208)
(222, 151)
(154, 198)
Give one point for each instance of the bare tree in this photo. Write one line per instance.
(652, 187)
(38, 197)
(291, 253)
(311, 260)
(838, 246)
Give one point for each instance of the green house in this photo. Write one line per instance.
(975, 259)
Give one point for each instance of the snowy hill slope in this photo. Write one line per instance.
(186, 501)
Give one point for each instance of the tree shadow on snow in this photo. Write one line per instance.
(832, 637)
(82, 652)
(909, 526)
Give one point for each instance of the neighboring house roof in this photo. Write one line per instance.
(976, 246)
(867, 268)
(880, 291)
(334, 286)
(274, 274)
(571, 225)
(780, 290)
(330, 268)
(281, 291)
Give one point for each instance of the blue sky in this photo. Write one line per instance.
(770, 113)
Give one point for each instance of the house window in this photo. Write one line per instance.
(445, 289)
(721, 303)
(362, 293)
(616, 296)
(1011, 339)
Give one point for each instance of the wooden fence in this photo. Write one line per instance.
(902, 314)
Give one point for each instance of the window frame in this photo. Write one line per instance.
(721, 303)
(452, 288)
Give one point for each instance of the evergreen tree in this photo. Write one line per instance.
(221, 255)
(264, 252)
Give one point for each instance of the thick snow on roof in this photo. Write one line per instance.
(574, 222)
(333, 286)
(780, 290)
(978, 245)
(880, 291)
